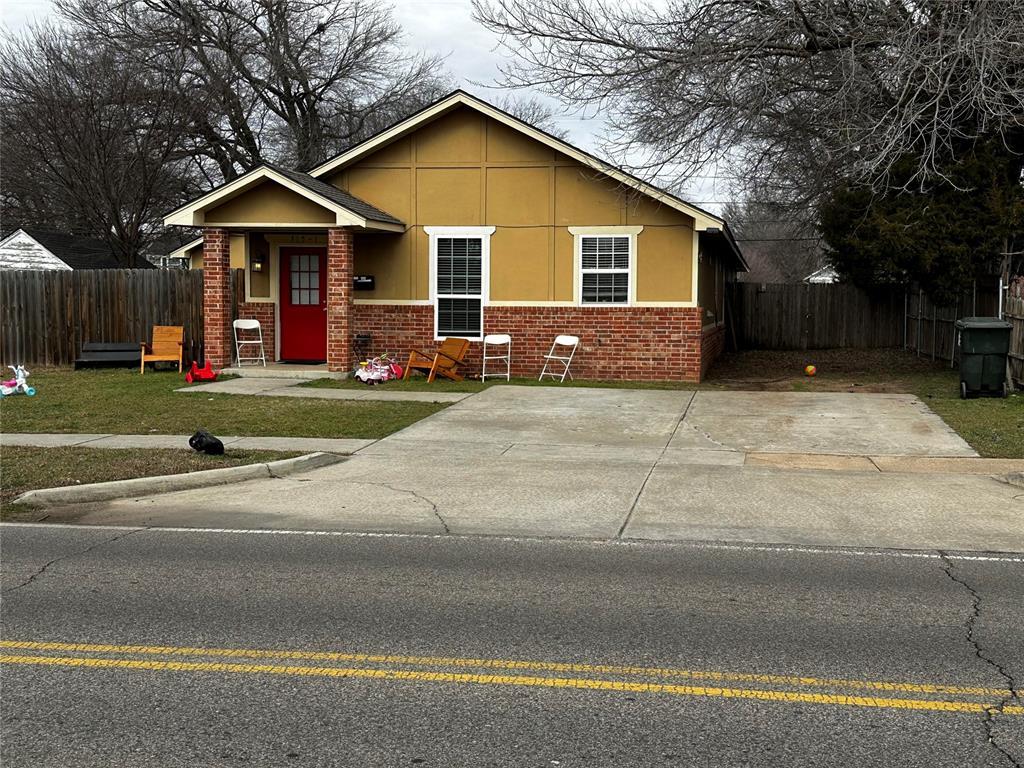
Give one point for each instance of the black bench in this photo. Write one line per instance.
(104, 353)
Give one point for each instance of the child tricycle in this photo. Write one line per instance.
(17, 384)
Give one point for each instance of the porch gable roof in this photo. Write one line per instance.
(348, 209)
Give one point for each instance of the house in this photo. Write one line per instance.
(462, 220)
(33, 248)
(823, 276)
(187, 256)
(168, 251)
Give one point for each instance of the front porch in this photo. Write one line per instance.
(298, 285)
(292, 236)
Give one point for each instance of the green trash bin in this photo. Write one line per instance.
(984, 347)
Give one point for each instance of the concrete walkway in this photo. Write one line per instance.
(303, 444)
(279, 387)
(830, 469)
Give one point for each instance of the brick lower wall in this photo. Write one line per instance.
(217, 343)
(711, 346)
(395, 329)
(265, 312)
(616, 343)
(339, 299)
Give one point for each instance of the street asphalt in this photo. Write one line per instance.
(133, 647)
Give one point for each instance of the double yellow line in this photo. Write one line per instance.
(952, 700)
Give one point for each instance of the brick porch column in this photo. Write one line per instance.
(217, 296)
(339, 299)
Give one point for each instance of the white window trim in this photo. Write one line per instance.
(578, 234)
(484, 233)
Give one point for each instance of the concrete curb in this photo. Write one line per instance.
(147, 486)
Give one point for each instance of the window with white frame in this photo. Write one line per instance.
(604, 269)
(459, 272)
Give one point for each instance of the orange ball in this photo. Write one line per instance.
(810, 370)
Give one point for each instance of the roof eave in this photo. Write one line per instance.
(735, 247)
(182, 251)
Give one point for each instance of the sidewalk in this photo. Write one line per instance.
(303, 444)
(278, 387)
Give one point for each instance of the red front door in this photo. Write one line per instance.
(304, 304)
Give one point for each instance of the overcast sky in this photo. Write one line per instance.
(436, 26)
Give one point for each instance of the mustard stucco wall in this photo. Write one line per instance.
(236, 251)
(269, 202)
(195, 257)
(465, 169)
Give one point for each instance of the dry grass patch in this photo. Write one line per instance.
(25, 469)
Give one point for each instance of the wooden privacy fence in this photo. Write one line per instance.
(930, 330)
(45, 316)
(1013, 311)
(806, 316)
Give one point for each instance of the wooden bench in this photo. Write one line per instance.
(106, 353)
(167, 344)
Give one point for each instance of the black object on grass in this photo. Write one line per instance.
(204, 442)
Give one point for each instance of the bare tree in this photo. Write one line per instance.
(290, 81)
(532, 111)
(787, 94)
(91, 145)
(779, 246)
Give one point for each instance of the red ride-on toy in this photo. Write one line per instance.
(195, 373)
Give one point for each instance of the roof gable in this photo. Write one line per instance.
(347, 209)
(71, 250)
(19, 250)
(703, 219)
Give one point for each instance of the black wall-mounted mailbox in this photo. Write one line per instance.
(363, 283)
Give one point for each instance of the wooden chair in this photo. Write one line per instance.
(167, 346)
(445, 362)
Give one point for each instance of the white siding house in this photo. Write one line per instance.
(19, 250)
(39, 249)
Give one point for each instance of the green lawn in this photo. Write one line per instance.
(993, 426)
(26, 469)
(125, 402)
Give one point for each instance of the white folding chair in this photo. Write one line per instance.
(498, 340)
(247, 340)
(567, 344)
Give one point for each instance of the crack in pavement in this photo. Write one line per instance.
(90, 548)
(647, 477)
(415, 495)
(1011, 686)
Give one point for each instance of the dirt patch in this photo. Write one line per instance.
(884, 371)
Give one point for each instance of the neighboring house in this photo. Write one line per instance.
(166, 252)
(462, 220)
(823, 276)
(38, 249)
(187, 256)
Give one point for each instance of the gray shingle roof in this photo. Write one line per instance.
(80, 251)
(338, 196)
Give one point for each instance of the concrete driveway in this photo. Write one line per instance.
(606, 463)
